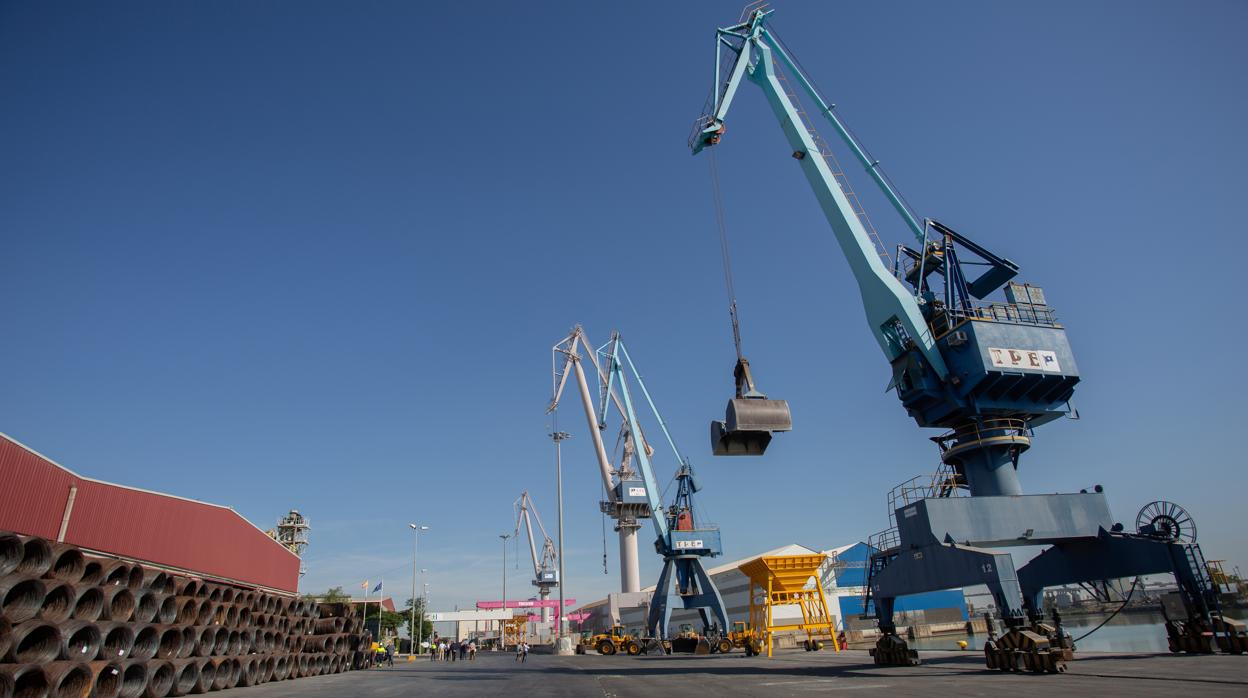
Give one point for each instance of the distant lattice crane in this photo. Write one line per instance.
(545, 567)
(292, 532)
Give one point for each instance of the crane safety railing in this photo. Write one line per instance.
(882, 548)
(977, 431)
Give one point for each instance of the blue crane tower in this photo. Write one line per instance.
(987, 374)
(679, 538)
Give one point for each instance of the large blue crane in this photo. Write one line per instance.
(988, 374)
(679, 538)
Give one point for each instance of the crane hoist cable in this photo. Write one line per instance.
(750, 417)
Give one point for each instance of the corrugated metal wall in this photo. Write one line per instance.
(162, 529)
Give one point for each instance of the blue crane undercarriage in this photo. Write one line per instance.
(987, 373)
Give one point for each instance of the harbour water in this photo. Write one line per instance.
(1127, 632)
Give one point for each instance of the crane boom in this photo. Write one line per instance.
(893, 314)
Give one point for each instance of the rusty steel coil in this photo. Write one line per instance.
(115, 573)
(185, 676)
(58, 602)
(106, 679)
(118, 604)
(146, 606)
(11, 553)
(89, 604)
(207, 609)
(68, 678)
(133, 679)
(34, 642)
(21, 598)
(116, 641)
(189, 639)
(68, 563)
(36, 557)
(160, 678)
(207, 675)
(146, 642)
(168, 612)
(92, 571)
(29, 680)
(80, 641)
(170, 641)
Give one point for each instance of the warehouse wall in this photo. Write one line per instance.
(40, 497)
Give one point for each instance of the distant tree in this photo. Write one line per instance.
(427, 626)
(332, 595)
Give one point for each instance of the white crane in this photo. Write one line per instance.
(627, 497)
(545, 568)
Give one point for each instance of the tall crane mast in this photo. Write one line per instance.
(627, 495)
(545, 568)
(988, 374)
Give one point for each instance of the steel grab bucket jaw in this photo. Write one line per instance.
(748, 425)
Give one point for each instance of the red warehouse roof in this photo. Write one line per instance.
(39, 497)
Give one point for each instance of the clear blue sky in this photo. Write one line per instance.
(314, 255)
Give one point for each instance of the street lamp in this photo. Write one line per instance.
(501, 639)
(415, 541)
(559, 437)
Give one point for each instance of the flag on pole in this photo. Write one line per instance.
(378, 587)
(364, 584)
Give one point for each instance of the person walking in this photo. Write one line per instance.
(454, 649)
(463, 649)
(472, 650)
(389, 654)
(524, 652)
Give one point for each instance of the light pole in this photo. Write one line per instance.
(415, 542)
(559, 437)
(424, 604)
(502, 624)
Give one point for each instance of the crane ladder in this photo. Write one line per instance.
(833, 164)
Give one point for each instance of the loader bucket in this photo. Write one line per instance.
(748, 425)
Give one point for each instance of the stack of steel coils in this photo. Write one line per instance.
(78, 625)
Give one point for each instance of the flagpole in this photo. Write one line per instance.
(365, 623)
